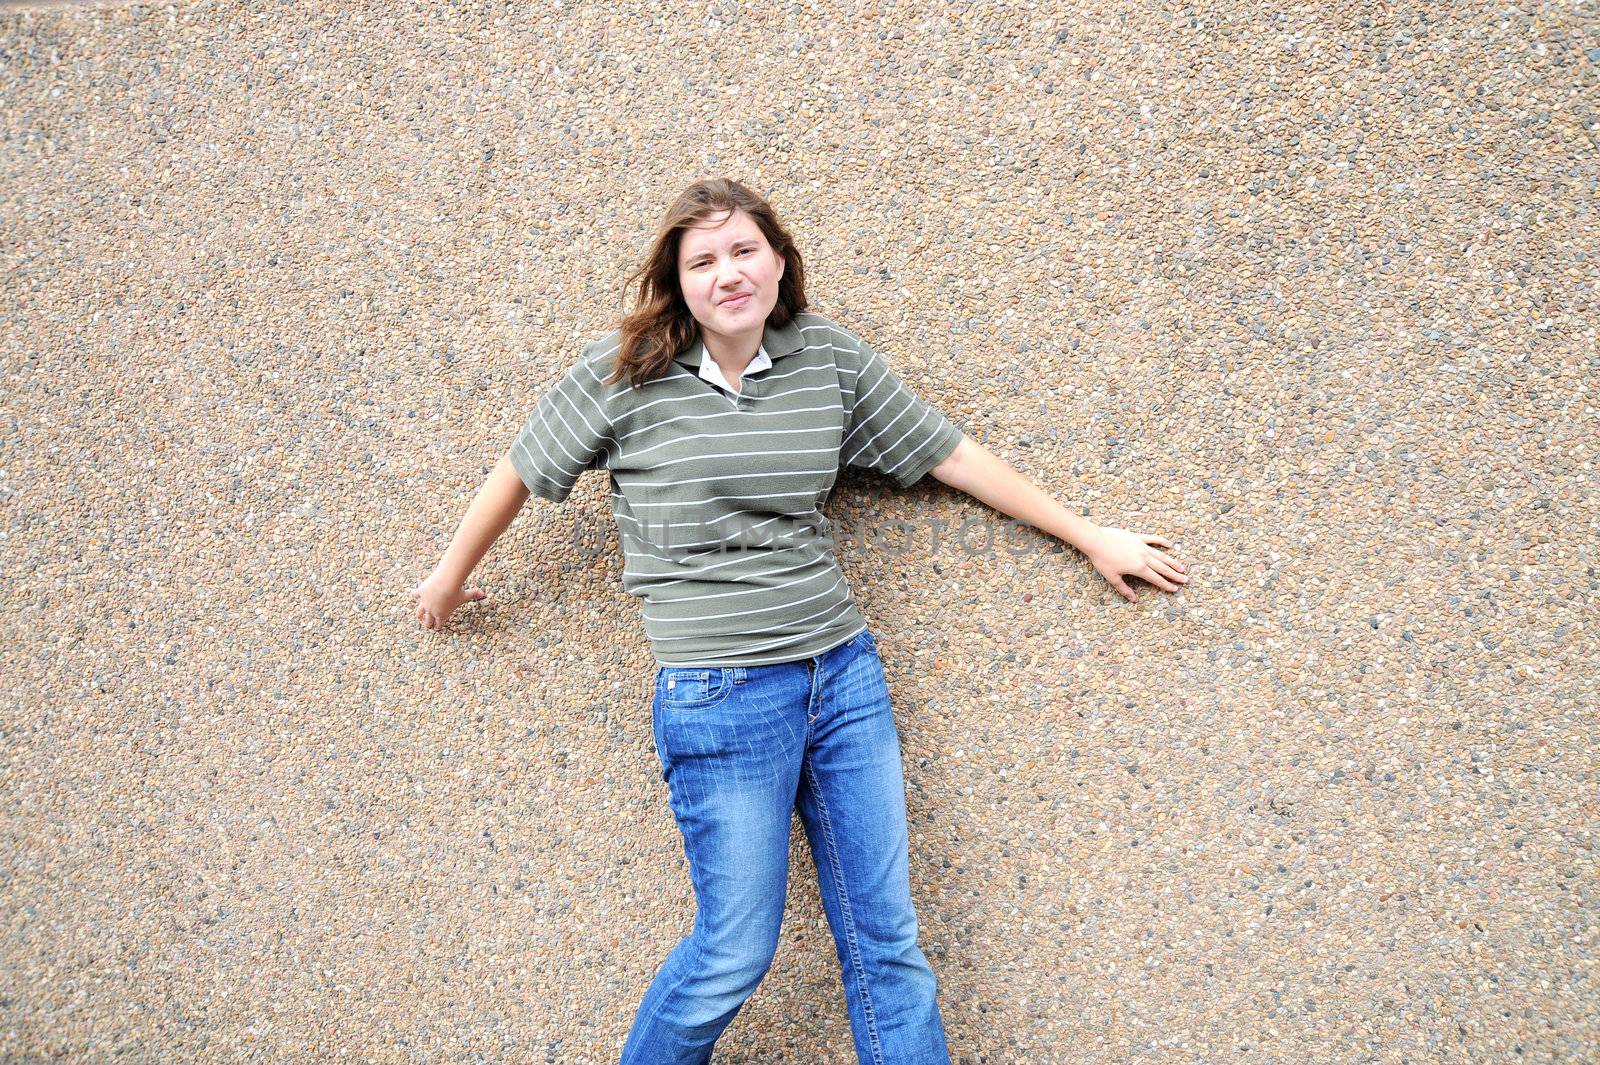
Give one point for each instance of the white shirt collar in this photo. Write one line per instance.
(710, 371)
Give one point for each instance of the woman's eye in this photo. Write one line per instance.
(707, 262)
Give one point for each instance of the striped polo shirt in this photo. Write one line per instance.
(718, 496)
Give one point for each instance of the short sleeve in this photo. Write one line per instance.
(890, 429)
(568, 432)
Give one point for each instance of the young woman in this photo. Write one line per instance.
(723, 410)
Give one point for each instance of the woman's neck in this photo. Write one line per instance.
(731, 351)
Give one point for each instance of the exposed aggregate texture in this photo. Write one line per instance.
(1310, 292)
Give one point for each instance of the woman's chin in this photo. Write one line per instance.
(738, 323)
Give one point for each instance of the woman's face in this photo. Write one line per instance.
(729, 274)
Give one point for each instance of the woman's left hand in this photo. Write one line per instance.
(1115, 552)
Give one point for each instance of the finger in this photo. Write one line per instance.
(1158, 580)
(1169, 560)
(1123, 590)
(1152, 538)
(1167, 569)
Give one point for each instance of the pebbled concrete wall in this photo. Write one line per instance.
(1311, 293)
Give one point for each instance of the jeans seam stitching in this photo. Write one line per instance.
(848, 916)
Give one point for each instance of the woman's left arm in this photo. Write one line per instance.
(1113, 552)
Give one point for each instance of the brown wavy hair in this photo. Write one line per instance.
(660, 324)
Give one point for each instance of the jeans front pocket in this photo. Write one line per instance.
(697, 687)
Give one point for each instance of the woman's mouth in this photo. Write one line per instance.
(737, 301)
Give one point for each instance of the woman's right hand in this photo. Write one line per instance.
(437, 599)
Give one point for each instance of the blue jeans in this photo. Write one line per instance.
(740, 748)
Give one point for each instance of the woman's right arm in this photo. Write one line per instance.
(568, 432)
(491, 511)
